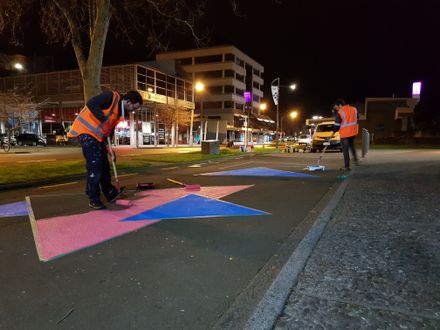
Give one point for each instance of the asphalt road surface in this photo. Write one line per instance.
(174, 274)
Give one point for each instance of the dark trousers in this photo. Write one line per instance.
(98, 168)
(348, 144)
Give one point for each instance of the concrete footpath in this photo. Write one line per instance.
(372, 259)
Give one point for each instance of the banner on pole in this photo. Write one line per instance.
(275, 93)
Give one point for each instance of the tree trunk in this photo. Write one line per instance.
(92, 73)
(89, 64)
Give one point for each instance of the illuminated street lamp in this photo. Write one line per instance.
(293, 115)
(200, 88)
(263, 106)
(18, 66)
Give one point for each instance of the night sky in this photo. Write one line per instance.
(331, 49)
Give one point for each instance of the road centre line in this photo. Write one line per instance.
(58, 185)
(36, 161)
(129, 174)
(169, 168)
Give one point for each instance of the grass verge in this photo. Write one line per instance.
(20, 173)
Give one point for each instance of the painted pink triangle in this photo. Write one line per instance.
(58, 236)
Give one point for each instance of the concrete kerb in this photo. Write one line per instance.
(273, 301)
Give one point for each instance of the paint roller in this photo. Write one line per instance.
(112, 154)
(192, 187)
(139, 186)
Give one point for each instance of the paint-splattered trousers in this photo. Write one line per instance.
(348, 145)
(98, 168)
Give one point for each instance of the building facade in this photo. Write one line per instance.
(165, 118)
(227, 73)
(386, 117)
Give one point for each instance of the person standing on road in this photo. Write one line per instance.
(96, 121)
(346, 122)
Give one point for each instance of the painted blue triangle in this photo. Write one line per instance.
(13, 209)
(260, 171)
(194, 206)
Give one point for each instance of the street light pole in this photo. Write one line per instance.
(247, 106)
(275, 87)
(200, 87)
(276, 99)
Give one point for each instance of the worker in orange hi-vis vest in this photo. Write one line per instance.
(346, 122)
(96, 121)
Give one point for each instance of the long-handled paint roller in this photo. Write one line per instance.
(319, 167)
(112, 156)
(192, 187)
(139, 186)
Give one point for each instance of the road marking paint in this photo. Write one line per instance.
(57, 185)
(33, 226)
(129, 174)
(36, 161)
(169, 168)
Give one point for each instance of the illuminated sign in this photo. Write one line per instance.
(416, 89)
(247, 97)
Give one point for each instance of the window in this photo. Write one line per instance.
(171, 81)
(229, 57)
(256, 72)
(180, 89)
(150, 77)
(184, 61)
(239, 61)
(208, 59)
(239, 77)
(208, 74)
(229, 73)
(212, 105)
(229, 89)
(215, 90)
(228, 104)
(256, 85)
(188, 91)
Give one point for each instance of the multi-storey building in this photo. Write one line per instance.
(227, 73)
(60, 94)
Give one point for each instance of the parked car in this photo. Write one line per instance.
(304, 139)
(31, 139)
(322, 136)
(4, 138)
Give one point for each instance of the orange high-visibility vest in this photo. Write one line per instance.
(349, 125)
(87, 123)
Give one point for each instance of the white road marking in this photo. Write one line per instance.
(36, 161)
(169, 168)
(58, 185)
(129, 174)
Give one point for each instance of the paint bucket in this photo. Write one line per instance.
(145, 186)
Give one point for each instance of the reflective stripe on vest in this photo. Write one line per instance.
(349, 125)
(87, 123)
